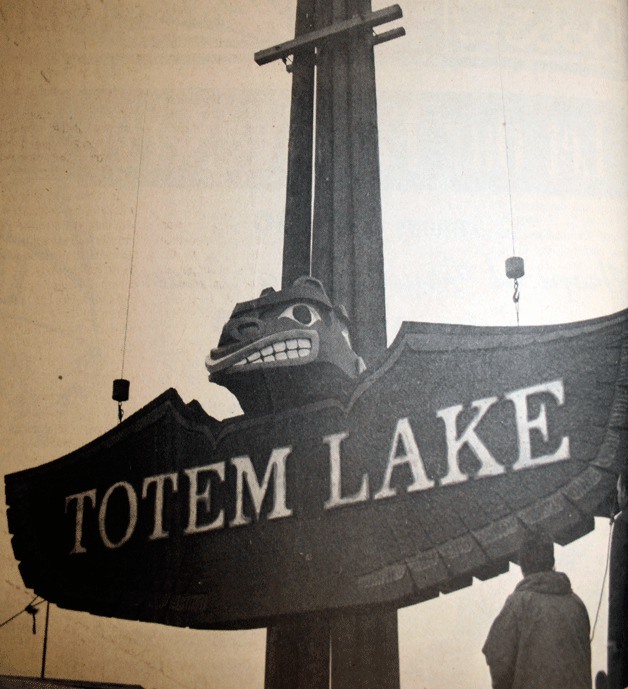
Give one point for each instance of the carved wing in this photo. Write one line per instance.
(419, 483)
(575, 380)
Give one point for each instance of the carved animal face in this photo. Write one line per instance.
(285, 348)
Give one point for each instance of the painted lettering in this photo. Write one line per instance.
(410, 455)
(245, 471)
(336, 499)
(488, 464)
(205, 498)
(102, 514)
(525, 425)
(80, 513)
(160, 482)
(530, 427)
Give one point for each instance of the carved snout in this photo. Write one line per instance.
(245, 329)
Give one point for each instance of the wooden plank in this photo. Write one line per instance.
(322, 231)
(364, 646)
(343, 263)
(368, 257)
(347, 253)
(322, 35)
(364, 650)
(462, 556)
(388, 36)
(297, 654)
(297, 225)
(428, 570)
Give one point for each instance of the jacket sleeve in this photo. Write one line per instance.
(501, 645)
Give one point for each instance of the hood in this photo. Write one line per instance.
(556, 583)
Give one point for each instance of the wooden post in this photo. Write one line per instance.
(365, 650)
(297, 650)
(333, 69)
(347, 250)
(297, 654)
(298, 220)
(347, 256)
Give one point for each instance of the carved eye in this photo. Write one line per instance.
(301, 313)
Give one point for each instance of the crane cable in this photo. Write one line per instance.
(121, 385)
(514, 264)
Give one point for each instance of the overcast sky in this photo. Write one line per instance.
(91, 88)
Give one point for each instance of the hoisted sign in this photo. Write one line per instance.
(416, 477)
(341, 490)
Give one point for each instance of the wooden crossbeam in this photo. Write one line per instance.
(388, 36)
(319, 36)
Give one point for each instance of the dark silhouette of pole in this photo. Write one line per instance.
(336, 236)
(45, 649)
(298, 219)
(347, 252)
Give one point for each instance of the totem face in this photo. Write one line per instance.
(285, 348)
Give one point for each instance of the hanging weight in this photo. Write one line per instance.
(514, 267)
(120, 390)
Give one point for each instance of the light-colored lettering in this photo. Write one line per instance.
(488, 464)
(525, 425)
(80, 513)
(159, 481)
(102, 514)
(411, 456)
(204, 497)
(245, 470)
(336, 498)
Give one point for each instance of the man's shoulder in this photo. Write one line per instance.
(548, 582)
(535, 592)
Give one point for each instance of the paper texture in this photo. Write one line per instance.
(142, 181)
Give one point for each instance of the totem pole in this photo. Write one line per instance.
(333, 75)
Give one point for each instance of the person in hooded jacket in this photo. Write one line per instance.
(540, 639)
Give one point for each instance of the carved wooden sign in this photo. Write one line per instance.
(416, 480)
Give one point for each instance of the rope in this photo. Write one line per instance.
(137, 198)
(32, 604)
(501, 84)
(608, 559)
(515, 296)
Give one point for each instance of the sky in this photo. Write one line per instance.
(142, 173)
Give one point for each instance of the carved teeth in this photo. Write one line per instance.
(279, 351)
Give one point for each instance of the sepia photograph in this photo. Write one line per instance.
(314, 337)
